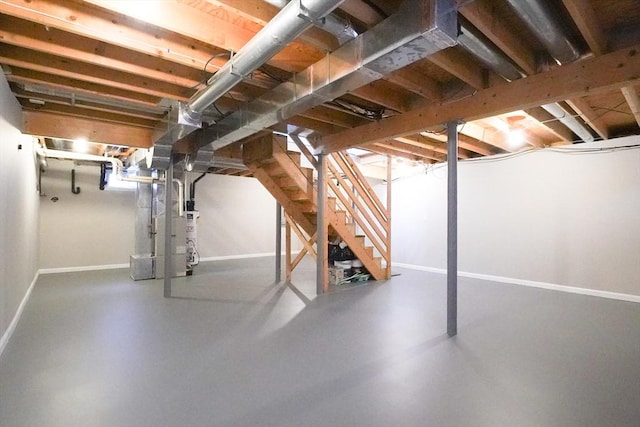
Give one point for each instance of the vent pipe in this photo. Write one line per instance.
(289, 23)
(569, 121)
(335, 25)
(546, 25)
(486, 53)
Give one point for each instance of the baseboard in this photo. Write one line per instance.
(244, 256)
(530, 283)
(83, 268)
(119, 266)
(4, 340)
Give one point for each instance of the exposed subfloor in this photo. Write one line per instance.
(235, 349)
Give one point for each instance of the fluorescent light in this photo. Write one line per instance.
(81, 145)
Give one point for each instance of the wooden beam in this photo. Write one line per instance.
(483, 16)
(20, 75)
(411, 149)
(584, 15)
(590, 76)
(81, 71)
(383, 93)
(61, 126)
(421, 142)
(551, 123)
(581, 106)
(189, 21)
(386, 151)
(455, 62)
(149, 114)
(631, 96)
(112, 28)
(50, 40)
(417, 83)
(465, 142)
(69, 110)
(334, 117)
(261, 12)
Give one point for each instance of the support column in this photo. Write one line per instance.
(278, 242)
(168, 232)
(287, 261)
(389, 179)
(322, 280)
(452, 228)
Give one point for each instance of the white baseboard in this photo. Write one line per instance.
(530, 283)
(244, 256)
(119, 266)
(4, 340)
(82, 268)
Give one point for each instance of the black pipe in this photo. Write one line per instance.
(74, 189)
(191, 203)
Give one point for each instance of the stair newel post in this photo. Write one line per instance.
(322, 277)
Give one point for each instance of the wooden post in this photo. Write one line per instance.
(322, 263)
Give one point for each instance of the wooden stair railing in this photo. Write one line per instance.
(354, 212)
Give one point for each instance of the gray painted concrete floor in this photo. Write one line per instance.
(235, 349)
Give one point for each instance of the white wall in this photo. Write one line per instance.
(92, 228)
(18, 210)
(237, 217)
(563, 219)
(96, 228)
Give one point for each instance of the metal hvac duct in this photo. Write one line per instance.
(289, 23)
(547, 27)
(501, 65)
(339, 27)
(419, 29)
(185, 118)
(493, 59)
(569, 121)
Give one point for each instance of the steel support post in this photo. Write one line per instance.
(278, 242)
(452, 228)
(168, 232)
(322, 240)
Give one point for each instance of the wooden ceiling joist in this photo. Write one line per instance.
(24, 76)
(483, 16)
(562, 132)
(594, 120)
(586, 20)
(65, 127)
(48, 40)
(589, 76)
(631, 96)
(72, 111)
(188, 21)
(80, 71)
(90, 105)
(112, 28)
(261, 12)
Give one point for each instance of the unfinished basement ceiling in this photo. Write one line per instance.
(108, 71)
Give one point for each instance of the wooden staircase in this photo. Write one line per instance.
(353, 211)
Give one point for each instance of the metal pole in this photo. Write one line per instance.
(452, 228)
(278, 242)
(168, 220)
(321, 268)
